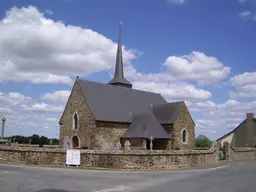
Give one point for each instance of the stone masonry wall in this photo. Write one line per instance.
(76, 103)
(233, 154)
(184, 121)
(114, 159)
(169, 128)
(108, 132)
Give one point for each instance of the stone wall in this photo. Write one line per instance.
(169, 128)
(35, 145)
(233, 154)
(186, 122)
(77, 104)
(114, 159)
(108, 132)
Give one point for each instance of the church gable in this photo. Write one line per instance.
(245, 134)
(77, 118)
(184, 129)
(76, 104)
(184, 114)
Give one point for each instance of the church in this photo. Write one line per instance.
(98, 113)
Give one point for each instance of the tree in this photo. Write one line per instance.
(203, 141)
(55, 141)
(35, 139)
(44, 140)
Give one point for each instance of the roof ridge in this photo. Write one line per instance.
(119, 87)
(176, 102)
(228, 133)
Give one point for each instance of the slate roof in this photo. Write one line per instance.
(113, 103)
(227, 134)
(248, 125)
(167, 113)
(144, 126)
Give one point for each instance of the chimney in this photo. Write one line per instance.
(250, 115)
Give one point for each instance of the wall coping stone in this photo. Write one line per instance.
(111, 152)
(243, 149)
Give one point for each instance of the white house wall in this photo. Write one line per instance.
(228, 139)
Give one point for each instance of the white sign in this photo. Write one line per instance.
(73, 157)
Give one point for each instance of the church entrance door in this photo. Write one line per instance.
(75, 142)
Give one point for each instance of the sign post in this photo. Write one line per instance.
(73, 157)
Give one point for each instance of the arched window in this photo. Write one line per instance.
(184, 136)
(75, 121)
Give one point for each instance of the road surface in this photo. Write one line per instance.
(234, 177)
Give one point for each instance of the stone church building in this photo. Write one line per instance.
(98, 113)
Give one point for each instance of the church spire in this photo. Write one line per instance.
(118, 79)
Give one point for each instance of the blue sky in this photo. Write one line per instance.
(200, 51)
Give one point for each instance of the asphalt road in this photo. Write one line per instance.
(235, 177)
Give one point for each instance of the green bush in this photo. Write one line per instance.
(203, 143)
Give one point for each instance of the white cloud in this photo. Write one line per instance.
(57, 96)
(26, 116)
(236, 106)
(53, 120)
(13, 99)
(195, 66)
(245, 85)
(226, 116)
(205, 127)
(132, 74)
(200, 106)
(244, 1)
(16, 101)
(43, 108)
(174, 91)
(198, 67)
(244, 79)
(5, 110)
(244, 14)
(247, 15)
(49, 12)
(179, 2)
(234, 95)
(50, 51)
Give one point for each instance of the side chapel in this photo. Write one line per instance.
(98, 113)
